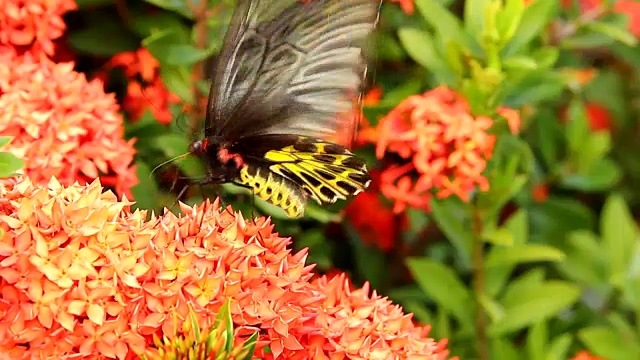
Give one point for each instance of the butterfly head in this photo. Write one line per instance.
(222, 166)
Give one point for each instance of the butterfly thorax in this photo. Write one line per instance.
(222, 164)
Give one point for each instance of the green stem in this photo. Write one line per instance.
(477, 258)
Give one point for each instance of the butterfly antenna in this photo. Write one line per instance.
(169, 161)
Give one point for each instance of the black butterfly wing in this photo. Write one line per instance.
(287, 71)
(290, 67)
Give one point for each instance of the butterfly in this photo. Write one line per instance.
(286, 71)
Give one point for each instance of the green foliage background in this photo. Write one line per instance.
(504, 276)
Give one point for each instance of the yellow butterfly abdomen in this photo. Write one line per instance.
(274, 189)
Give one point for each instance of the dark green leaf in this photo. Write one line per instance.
(179, 6)
(145, 192)
(602, 176)
(106, 36)
(88, 4)
(454, 219)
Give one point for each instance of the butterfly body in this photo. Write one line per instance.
(280, 91)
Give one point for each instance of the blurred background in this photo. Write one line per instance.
(502, 135)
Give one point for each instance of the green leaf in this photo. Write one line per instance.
(9, 164)
(145, 192)
(606, 342)
(601, 176)
(474, 16)
(442, 284)
(497, 276)
(509, 19)
(442, 20)
(420, 47)
(520, 62)
(558, 216)
(173, 145)
(559, 348)
(89, 4)
(535, 303)
(178, 6)
(537, 341)
(500, 236)
(586, 262)
(453, 219)
(178, 81)
(535, 17)
(4, 140)
(522, 254)
(577, 128)
(615, 32)
(619, 235)
(105, 36)
(145, 25)
(172, 47)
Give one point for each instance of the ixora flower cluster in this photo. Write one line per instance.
(81, 274)
(441, 145)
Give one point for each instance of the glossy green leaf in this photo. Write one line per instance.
(521, 254)
(442, 285)
(586, 260)
(509, 19)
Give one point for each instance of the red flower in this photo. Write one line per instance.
(148, 94)
(375, 223)
(445, 146)
(62, 125)
(406, 5)
(585, 355)
(598, 117)
(33, 24)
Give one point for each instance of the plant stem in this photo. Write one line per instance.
(200, 12)
(477, 258)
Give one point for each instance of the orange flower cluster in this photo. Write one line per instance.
(145, 89)
(63, 125)
(446, 147)
(33, 24)
(81, 274)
